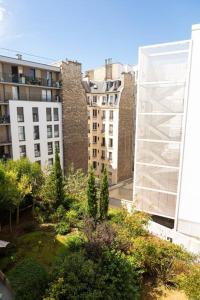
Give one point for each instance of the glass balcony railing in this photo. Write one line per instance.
(24, 79)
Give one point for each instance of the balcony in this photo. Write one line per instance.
(23, 79)
(5, 142)
(5, 156)
(4, 120)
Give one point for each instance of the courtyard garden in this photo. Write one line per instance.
(66, 243)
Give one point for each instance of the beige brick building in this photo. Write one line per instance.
(110, 102)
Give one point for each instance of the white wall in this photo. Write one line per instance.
(189, 205)
(29, 124)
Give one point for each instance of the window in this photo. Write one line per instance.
(104, 100)
(15, 92)
(49, 131)
(36, 132)
(94, 126)
(55, 114)
(94, 164)
(50, 148)
(21, 133)
(35, 114)
(110, 143)
(94, 139)
(94, 152)
(57, 145)
(111, 99)
(110, 155)
(103, 154)
(37, 150)
(20, 114)
(94, 99)
(111, 115)
(110, 128)
(50, 162)
(22, 151)
(46, 95)
(103, 114)
(102, 167)
(56, 130)
(94, 113)
(103, 142)
(32, 74)
(48, 114)
(103, 128)
(116, 99)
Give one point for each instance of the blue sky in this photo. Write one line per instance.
(91, 30)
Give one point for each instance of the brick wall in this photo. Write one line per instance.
(75, 141)
(126, 129)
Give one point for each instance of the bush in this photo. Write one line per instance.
(190, 283)
(75, 242)
(160, 259)
(62, 228)
(78, 277)
(28, 280)
(72, 217)
(29, 227)
(59, 214)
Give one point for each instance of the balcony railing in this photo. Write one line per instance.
(5, 156)
(24, 79)
(5, 119)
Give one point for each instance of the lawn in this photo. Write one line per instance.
(41, 245)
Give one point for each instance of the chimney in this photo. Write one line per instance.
(108, 69)
(19, 56)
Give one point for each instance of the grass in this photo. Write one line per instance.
(43, 246)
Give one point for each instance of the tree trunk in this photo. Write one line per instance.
(10, 220)
(33, 208)
(17, 216)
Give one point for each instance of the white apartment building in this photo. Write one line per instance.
(167, 151)
(34, 112)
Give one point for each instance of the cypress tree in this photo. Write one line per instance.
(58, 177)
(104, 196)
(92, 195)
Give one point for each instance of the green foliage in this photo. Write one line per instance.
(53, 190)
(92, 195)
(72, 218)
(62, 227)
(160, 259)
(76, 185)
(79, 277)
(190, 283)
(104, 196)
(28, 280)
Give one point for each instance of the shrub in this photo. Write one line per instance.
(59, 214)
(62, 228)
(190, 283)
(75, 242)
(112, 277)
(72, 217)
(160, 259)
(28, 280)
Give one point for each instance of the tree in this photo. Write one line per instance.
(104, 196)
(53, 190)
(92, 195)
(58, 173)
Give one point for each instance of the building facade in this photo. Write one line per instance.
(167, 147)
(35, 112)
(110, 100)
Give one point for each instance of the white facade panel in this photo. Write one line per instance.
(162, 80)
(189, 203)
